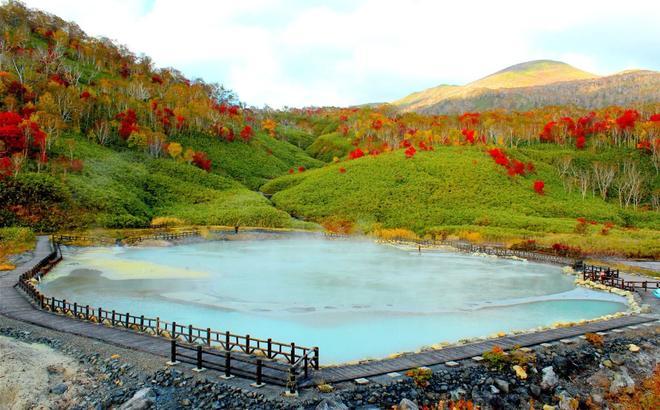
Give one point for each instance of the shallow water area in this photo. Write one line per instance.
(354, 299)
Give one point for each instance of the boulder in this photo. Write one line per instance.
(502, 385)
(142, 399)
(633, 348)
(617, 358)
(549, 379)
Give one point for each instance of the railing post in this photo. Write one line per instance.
(293, 384)
(306, 364)
(52, 303)
(227, 347)
(270, 348)
(247, 344)
(158, 326)
(227, 366)
(113, 318)
(75, 309)
(87, 312)
(199, 358)
(316, 358)
(100, 315)
(293, 353)
(64, 306)
(172, 361)
(128, 315)
(42, 301)
(173, 330)
(259, 363)
(208, 336)
(190, 334)
(142, 323)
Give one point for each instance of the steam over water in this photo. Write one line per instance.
(354, 299)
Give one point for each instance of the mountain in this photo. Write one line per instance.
(536, 84)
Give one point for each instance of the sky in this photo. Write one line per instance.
(312, 52)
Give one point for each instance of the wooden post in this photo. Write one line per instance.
(306, 364)
(190, 334)
(173, 330)
(42, 301)
(52, 303)
(293, 353)
(128, 315)
(292, 381)
(316, 358)
(158, 326)
(199, 357)
(75, 309)
(63, 305)
(173, 351)
(87, 312)
(142, 323)
(270, 348)
(227, 364)
(259, 363)
(227, 347)
(100, 315)
(247, 344)
(208, 336)
(113, 317)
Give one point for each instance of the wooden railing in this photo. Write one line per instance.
(610, 277)
(500, 251)
(294, 357)
(260, 369)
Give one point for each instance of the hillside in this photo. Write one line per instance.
(536, 84)
(461, 191)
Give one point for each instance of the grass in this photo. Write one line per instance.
(124, 188)
(328, 146)
(460, 190)
(253, 163)
(14, 240)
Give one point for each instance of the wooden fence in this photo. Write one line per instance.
(292, 358)
(260, 369)
(610, 277)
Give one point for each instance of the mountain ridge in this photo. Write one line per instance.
(537, 83)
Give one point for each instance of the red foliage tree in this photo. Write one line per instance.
(127, 123)
(246, 133)
(410, 152)
(627, 120)
(356, 153)
(539, 187)
(202, 161)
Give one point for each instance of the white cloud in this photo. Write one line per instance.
(298, 53)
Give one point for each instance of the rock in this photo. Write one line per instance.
(520, 372)
(633, 348)
(608, 363)
(622, 382)
(327, 404)
(59, 389)
(597, 398)
(535, 390)
(549, 379)
(566, 402)
(502, 385)
(142, 399)
(55, 369)
(494, 390)
(549, 407)
(406, 404)
(617, 359)
(457, 394)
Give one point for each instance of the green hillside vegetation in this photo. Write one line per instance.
(125, 188)
(460, 190)
(255, 163)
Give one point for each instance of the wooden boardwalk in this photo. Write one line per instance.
(16, 306)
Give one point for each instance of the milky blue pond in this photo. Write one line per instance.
(355, 299)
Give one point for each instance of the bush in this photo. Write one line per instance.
(420, 376)
(496, 358)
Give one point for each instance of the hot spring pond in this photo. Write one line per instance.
(354, 299)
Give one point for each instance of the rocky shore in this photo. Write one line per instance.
(87, 374)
